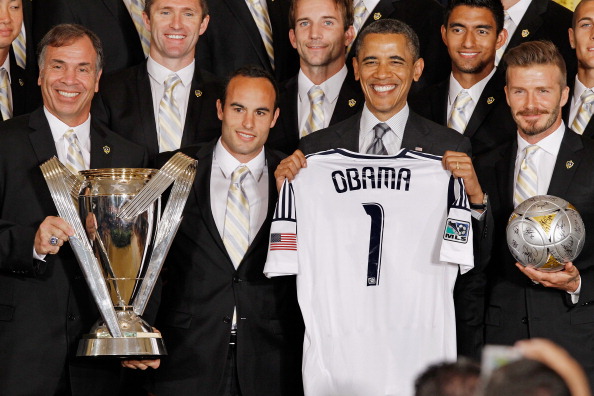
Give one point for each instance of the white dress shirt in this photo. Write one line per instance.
(331, 88)
(370, 5)
(392, 140)
(475, 93)
(516, 13)
(576, 100)
(255, 186)
(157, 76)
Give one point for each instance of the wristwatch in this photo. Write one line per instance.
(481, 206)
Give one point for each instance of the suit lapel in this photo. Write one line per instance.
(291, 113)
(145, 107)
(17, 86)
(490, 97)
(383, 9)
(530, 23)
(350, 100)
(41, 136)
(112, 6)
(348, 137)
(194, 108)
(505, 167)
(414, 137)
(568, 162)
(439, 102)
(101, 151)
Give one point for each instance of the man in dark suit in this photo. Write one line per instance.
(578, 115)
(230, 330)
(472, 100)
(546, 158)
(133, 102)
(45, 305)
(234, 38)
(425, 17)
(538, 20)
(320, 31)
(110, 19)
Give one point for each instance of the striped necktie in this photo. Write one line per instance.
(526, 183)
(584, 114)
(458, 119)
(360, 17)
(262, 20)
(508, 24)
(74, 158)
(170, 125)
(377, 146)
(19, 47)
(135, 7)
(315, 121)
(5, 105)
(237, 217)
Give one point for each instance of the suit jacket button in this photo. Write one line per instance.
(71, 317)
(227, 319)
(525, 320)
(236, 279)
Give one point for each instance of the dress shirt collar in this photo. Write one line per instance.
(578, 90)
(159, 73)
(369, 4)
(517, 11)
(331, 86)
(58, 128)
(475, 91)
(229, 163)
(551, 144)
(396, 123)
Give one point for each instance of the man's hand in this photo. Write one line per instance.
(52, 227)
(461, 166)
(141, 364)
(568, 279)
(289, 167)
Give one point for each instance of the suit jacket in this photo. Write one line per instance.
(426, 18)
(201, 288)
(491, 123)
(546, 20)
(285, 134)
(109, 19)
(125, 105)
(589, 129)
(233, 40)
(45, 307)
(517, 308)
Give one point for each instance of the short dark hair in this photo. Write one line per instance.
(449, 379)
(66, 34)
(252, 71)
(391, 26)
(494, 6)
(345, 7)
(536, 53)
(525, 377)
(149, 3)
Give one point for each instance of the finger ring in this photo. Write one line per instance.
(457, 165)
(53, 241)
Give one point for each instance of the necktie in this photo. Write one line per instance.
(263, 22)
(584, 113)
(508, 24)
(5, 105)
(458, 119)
(19, 47)
(237, 217)
(315, 121)
(360, 17)
(135, 7)
(377, 146)
(74, 157)
(170, 125)
(526, 183)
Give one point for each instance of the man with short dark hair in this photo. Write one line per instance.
(545, 158)
(229, 330)
(45, 303)
(459, 378)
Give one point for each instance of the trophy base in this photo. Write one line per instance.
(139, 341)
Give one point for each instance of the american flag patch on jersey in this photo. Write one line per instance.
(283, 242)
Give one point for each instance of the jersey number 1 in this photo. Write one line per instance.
(376, 234)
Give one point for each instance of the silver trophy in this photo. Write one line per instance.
(121, 240)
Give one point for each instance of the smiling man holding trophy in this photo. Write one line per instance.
(45, 304)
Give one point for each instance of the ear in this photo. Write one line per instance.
(443, 35)
(97, 80)
(275, 117)
(418, 69)
(349, 36)
(356, 68)
(501, 39)
(146, 20)
(571, 37)
(506, 95)
(219, 109)
(564, 96)
(292, 38)
(204, 25)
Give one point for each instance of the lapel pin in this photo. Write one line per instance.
(525, 33)
(21, 82)
(490, 100)
(352, 102)
(198, 93)
(569, 164)
(377, 16)
(106, 149)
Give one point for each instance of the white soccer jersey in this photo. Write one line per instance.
(375, 242)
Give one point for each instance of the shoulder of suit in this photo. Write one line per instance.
(120, 78)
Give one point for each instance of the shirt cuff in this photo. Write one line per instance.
(40, 257)
(575, 296)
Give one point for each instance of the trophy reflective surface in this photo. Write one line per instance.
(121, 240)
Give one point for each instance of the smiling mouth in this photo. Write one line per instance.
(383, 88)
(245, 135)
(175, 36)
(69, 94)
(468, 54)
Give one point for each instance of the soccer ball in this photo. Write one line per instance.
(545, 232)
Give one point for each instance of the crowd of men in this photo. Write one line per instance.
(500, 90)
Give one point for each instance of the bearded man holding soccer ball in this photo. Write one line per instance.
(546, 158)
